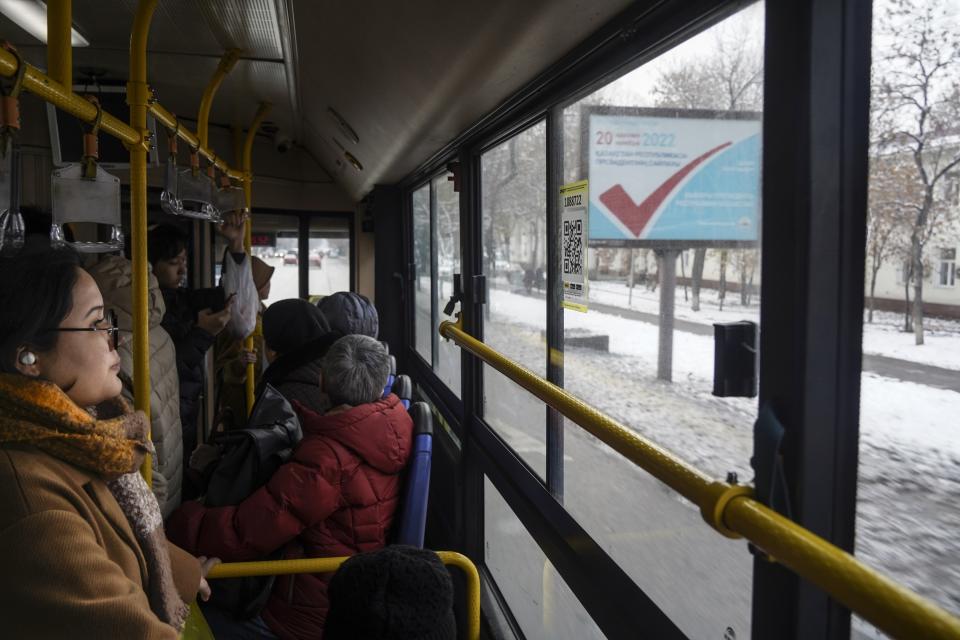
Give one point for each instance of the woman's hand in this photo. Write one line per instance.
(233, 229)
(205, 565)
(247, 357)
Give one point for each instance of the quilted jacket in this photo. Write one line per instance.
(336, 496)
(114, 277)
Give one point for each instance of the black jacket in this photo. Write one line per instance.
(296, 375)
(192, 343)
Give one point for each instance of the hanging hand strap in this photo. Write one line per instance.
(10, 102)
(91, 143)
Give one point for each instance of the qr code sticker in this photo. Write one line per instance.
(573, 247)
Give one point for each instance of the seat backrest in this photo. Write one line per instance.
(412, 518)
(403, 388)
(391, 378)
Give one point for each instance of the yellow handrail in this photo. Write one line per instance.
(732, 511)
(138, 95)
(247, 166)
(330, 565)
(60, 41)
(227, 63)
(171, 123)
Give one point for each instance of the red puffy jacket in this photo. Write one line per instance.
(335, 497)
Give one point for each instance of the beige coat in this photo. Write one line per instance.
(71, 566)
(114, 277)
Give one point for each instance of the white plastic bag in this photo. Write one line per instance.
(238, 279)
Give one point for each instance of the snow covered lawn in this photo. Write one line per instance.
(883, 337)
(909, 469)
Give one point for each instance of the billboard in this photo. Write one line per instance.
(677, 177)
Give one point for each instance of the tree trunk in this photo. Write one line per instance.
(907, 324)
(744, 296)
(917, 290)
(723, 278)
(696, 277)
(874, 268)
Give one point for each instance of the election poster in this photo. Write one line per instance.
(575, 229)
(673, 176)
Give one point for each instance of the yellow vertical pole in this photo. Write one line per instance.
(247, 169)
(138, 95)
(59, 41)
(227, 63)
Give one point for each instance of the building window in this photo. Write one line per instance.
(947, 273)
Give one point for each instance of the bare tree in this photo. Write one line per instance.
(889, 175)
(919, 104)
(730, 78)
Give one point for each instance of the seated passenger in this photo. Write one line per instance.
(81, 537)
(232, 358)
(350, 313)
(296, 336)
(336, 496)
(114, 277)
(399, 592)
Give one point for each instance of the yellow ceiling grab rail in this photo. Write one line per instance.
(227, 63)
(138, 97)
(731, 510)
(247, 166)
(329, 565)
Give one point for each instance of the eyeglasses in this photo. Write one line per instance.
(113, 333)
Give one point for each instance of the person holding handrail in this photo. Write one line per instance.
(82, 544)
(193, 318)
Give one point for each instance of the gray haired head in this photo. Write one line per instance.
(355, 370)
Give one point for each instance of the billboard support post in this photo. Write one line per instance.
(668, 288)
(630, 295)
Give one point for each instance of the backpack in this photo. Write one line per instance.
(249, 457)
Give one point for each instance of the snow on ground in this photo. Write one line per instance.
(883, 337)
(909, 467)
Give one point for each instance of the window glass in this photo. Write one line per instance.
(329, 256)
(514, 208)
(421, 276)
(672, 152)
(274, 239)
(447, 243)
(908, 494)
(539, 599)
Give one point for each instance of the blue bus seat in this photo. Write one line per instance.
(391, 377)
(412, 519)
(403, 387)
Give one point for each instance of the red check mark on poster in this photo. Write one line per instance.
(636, 216)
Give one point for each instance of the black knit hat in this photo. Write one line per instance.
(396, 592)
(290, 324)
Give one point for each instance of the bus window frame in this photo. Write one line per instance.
(812, 318)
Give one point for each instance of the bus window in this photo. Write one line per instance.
(907, 493)
(329, 256)
(514, 212)
(539, 599)
(446, 211)
(672, 152)
(274, 239)
(422, 322)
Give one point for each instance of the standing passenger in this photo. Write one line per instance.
(81, 537)
(193, 319)
(114, 277)
(233, 358)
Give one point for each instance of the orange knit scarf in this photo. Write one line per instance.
(39, 413)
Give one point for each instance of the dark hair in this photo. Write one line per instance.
(165, 242)
(36, 293)
(37, 221)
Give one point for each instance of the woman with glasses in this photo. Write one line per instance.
(82, 544)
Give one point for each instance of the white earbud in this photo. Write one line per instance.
(28, 358)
